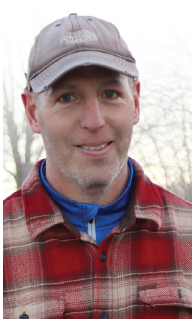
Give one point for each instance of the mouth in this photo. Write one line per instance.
(94, 147)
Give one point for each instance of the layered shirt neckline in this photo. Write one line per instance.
(81, 215)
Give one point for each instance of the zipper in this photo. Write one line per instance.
(91, 228)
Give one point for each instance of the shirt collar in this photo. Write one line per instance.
(81, 213)
(146, 200)
(42, 213)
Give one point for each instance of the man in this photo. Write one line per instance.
(89, 235)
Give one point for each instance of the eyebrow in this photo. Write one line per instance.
(65, 85)
(113, 81)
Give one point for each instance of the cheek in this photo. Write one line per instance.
(124, 134)
(48, 127)
(57, 134)
(127, 120)
(49, 122)
(127, 128)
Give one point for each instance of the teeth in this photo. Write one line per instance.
(94, 148)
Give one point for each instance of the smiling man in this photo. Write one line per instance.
(89, 235)
(86, 122)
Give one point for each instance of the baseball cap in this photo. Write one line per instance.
(75, 41)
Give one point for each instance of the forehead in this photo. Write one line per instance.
(91, 72)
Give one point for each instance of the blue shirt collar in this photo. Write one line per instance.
(80, 213)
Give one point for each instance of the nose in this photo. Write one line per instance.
(92, 116)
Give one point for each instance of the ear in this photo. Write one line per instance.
(136, 94)
(30, 105)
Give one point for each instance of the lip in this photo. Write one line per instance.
(85, 149)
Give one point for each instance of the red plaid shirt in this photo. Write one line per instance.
(142, 269)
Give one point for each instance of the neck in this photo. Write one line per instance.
(98, 193)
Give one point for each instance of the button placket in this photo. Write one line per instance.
(99, 283)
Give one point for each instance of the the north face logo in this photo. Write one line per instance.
(79, 36)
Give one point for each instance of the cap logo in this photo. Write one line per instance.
(79, 36)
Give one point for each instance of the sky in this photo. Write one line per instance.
(158, 33)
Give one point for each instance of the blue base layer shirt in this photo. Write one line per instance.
(92, 219)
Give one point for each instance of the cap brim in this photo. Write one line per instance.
(52, 73)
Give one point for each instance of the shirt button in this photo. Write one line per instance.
(24, 316)
(103, 257)
(104, 316)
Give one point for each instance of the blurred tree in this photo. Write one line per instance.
(22, 148)
(162, 141)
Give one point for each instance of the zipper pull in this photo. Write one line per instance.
(91, 228)
(24, 316)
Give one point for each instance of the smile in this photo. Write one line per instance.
(94, 148)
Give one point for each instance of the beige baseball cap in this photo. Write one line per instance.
(76, 41)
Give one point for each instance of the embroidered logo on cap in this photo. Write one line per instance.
(79, 36)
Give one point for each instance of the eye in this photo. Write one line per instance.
(66, 98)
(110, 94)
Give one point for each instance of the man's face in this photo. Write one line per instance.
(86, 121)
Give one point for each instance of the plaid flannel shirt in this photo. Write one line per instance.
(142, 269)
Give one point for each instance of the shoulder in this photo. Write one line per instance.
(32, 182)
(12, 204)
(153, 201)
(177, 212)
(174, 200)
(16, 194)
(148, 191)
